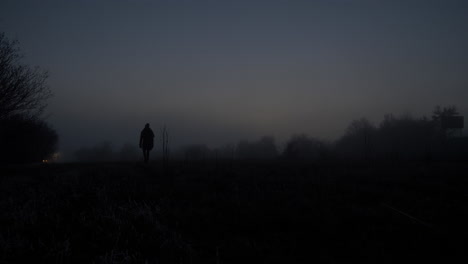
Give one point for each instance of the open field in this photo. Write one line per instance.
(234, 212)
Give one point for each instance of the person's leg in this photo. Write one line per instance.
(147, 155)
(144, 155)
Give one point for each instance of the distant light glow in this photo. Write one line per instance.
(56, 156)
(53, 158)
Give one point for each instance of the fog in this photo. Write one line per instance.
(217, 73)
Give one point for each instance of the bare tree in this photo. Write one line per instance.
(303, 147)
(23, 89)
(440, 112)
(359, 137)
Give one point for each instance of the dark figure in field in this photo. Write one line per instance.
(146, 141)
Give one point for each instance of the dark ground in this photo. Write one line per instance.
(234, 212)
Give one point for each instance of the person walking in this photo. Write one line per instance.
(146, 141)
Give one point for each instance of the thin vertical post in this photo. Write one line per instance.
(165, 148)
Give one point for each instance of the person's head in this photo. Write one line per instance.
(147, 125)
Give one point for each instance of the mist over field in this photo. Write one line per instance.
(216, 72)
(212, 131)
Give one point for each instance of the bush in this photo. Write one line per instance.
(401, 138)
(302, 147)
(26, 139)
(262, 149)
(358, 141)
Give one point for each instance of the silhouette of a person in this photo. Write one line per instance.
(146, 141)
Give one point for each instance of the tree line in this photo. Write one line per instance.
(26, 137)
(395, 138)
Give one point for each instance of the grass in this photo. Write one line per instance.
(232, 212)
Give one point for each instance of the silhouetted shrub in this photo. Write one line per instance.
(402, 138)
(405, 138)
(26, 139)
(302, 147)
(226, 152)
(264, 148)
(358, 141)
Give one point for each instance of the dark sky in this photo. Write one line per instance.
(219, 71)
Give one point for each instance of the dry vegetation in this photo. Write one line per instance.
(233, 212)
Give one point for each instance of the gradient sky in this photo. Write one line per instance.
(220, 71)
